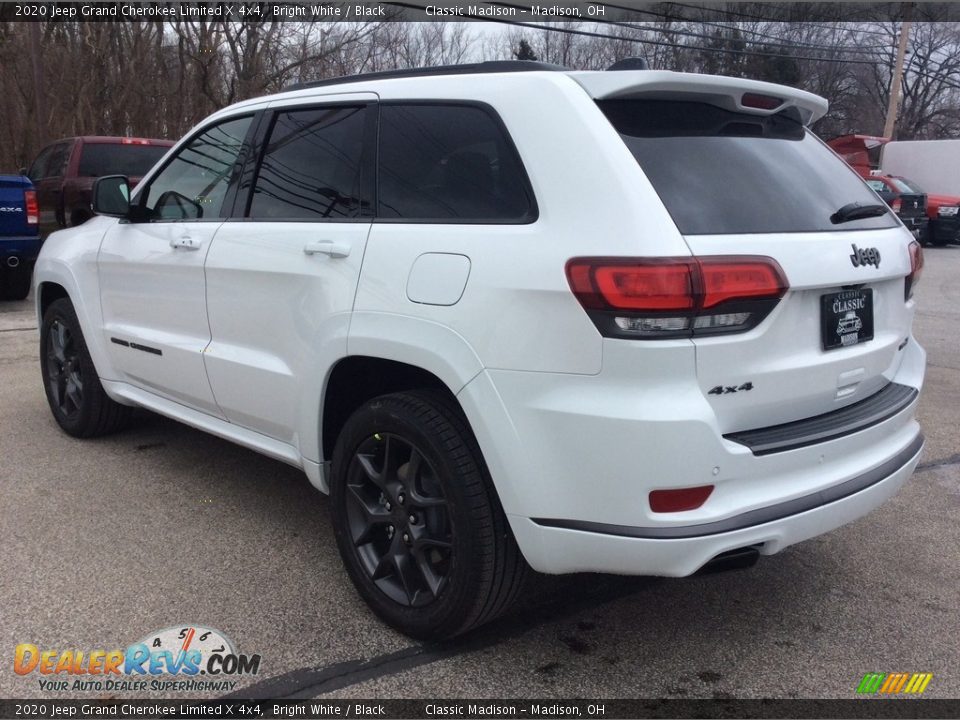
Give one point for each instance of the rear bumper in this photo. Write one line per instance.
(574, 459)
(760, 516)
(628, 551)
(24, 248)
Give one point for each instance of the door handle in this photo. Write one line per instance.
(186, 242)
(326, 247)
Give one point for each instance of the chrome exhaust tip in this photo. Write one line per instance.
(738, 559)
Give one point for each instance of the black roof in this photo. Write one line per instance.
(490, 66)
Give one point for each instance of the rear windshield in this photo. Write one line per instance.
(100, 159)
(720, 172)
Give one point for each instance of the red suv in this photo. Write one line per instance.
(64, 171)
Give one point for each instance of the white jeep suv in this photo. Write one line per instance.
(509, 316)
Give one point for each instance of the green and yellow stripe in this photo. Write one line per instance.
(894, 683)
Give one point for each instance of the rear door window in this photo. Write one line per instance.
(51, 162)
(38, 170)
(723, 172)
(449, 163)
(312, 166)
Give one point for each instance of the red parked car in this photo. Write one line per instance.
(64, 171)
(862, 153)
(908, 202)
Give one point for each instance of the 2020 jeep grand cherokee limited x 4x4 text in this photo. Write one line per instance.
(573, 321)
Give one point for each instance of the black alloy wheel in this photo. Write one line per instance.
(417, 521)
(76, 397)
(399, 520)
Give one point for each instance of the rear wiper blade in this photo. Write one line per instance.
(856, 211)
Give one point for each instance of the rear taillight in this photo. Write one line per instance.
(650, 298)
(916, 269)
(895, 205)
(31, 207)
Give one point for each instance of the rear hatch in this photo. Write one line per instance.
(753, 183)
(910, 204)
(13, 216)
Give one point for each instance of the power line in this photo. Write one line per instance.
(658, 43)
(694, 48)
(667, 16)
(688, 33)
(739, 14)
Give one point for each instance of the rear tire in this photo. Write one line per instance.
(417, 521)
(929, 236)
(16, 282)
(76, 397)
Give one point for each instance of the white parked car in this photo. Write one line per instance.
(509, 316)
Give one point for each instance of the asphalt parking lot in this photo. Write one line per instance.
(104, 541)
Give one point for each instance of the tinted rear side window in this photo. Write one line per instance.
(721, 172)
(312, 166)
(449, 163)
(98, 159)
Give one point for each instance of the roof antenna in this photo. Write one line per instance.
(630, 63)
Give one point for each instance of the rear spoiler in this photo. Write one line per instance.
(735, 94)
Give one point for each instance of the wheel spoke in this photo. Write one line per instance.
(433, 581)
(429, 542)
(63, 338)
(57, 386)
(72, 393)
(417, 500)
(374, 515)
(407, 575)
(413, 468)
(384, 566)
(370, 471)
(56, 343)
(389, 471)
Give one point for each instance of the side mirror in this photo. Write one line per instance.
(111, 196)
(22, 171)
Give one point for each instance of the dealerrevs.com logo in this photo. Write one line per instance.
(169, 660)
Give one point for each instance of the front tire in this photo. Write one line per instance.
(417, 521)
(77, 399)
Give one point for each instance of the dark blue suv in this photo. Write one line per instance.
(19, 235)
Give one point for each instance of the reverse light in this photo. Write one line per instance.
(666, 501)
(648, 298)
(31, 207)
(916, 270)
(947, 211)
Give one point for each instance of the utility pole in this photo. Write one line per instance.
(894, 103)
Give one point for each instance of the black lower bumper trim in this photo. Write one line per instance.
(880, 406)
(754, 517)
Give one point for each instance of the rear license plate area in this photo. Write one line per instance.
(846, 318)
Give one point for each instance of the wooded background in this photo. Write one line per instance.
(158, 79)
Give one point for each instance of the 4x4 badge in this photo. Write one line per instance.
(865, 256)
